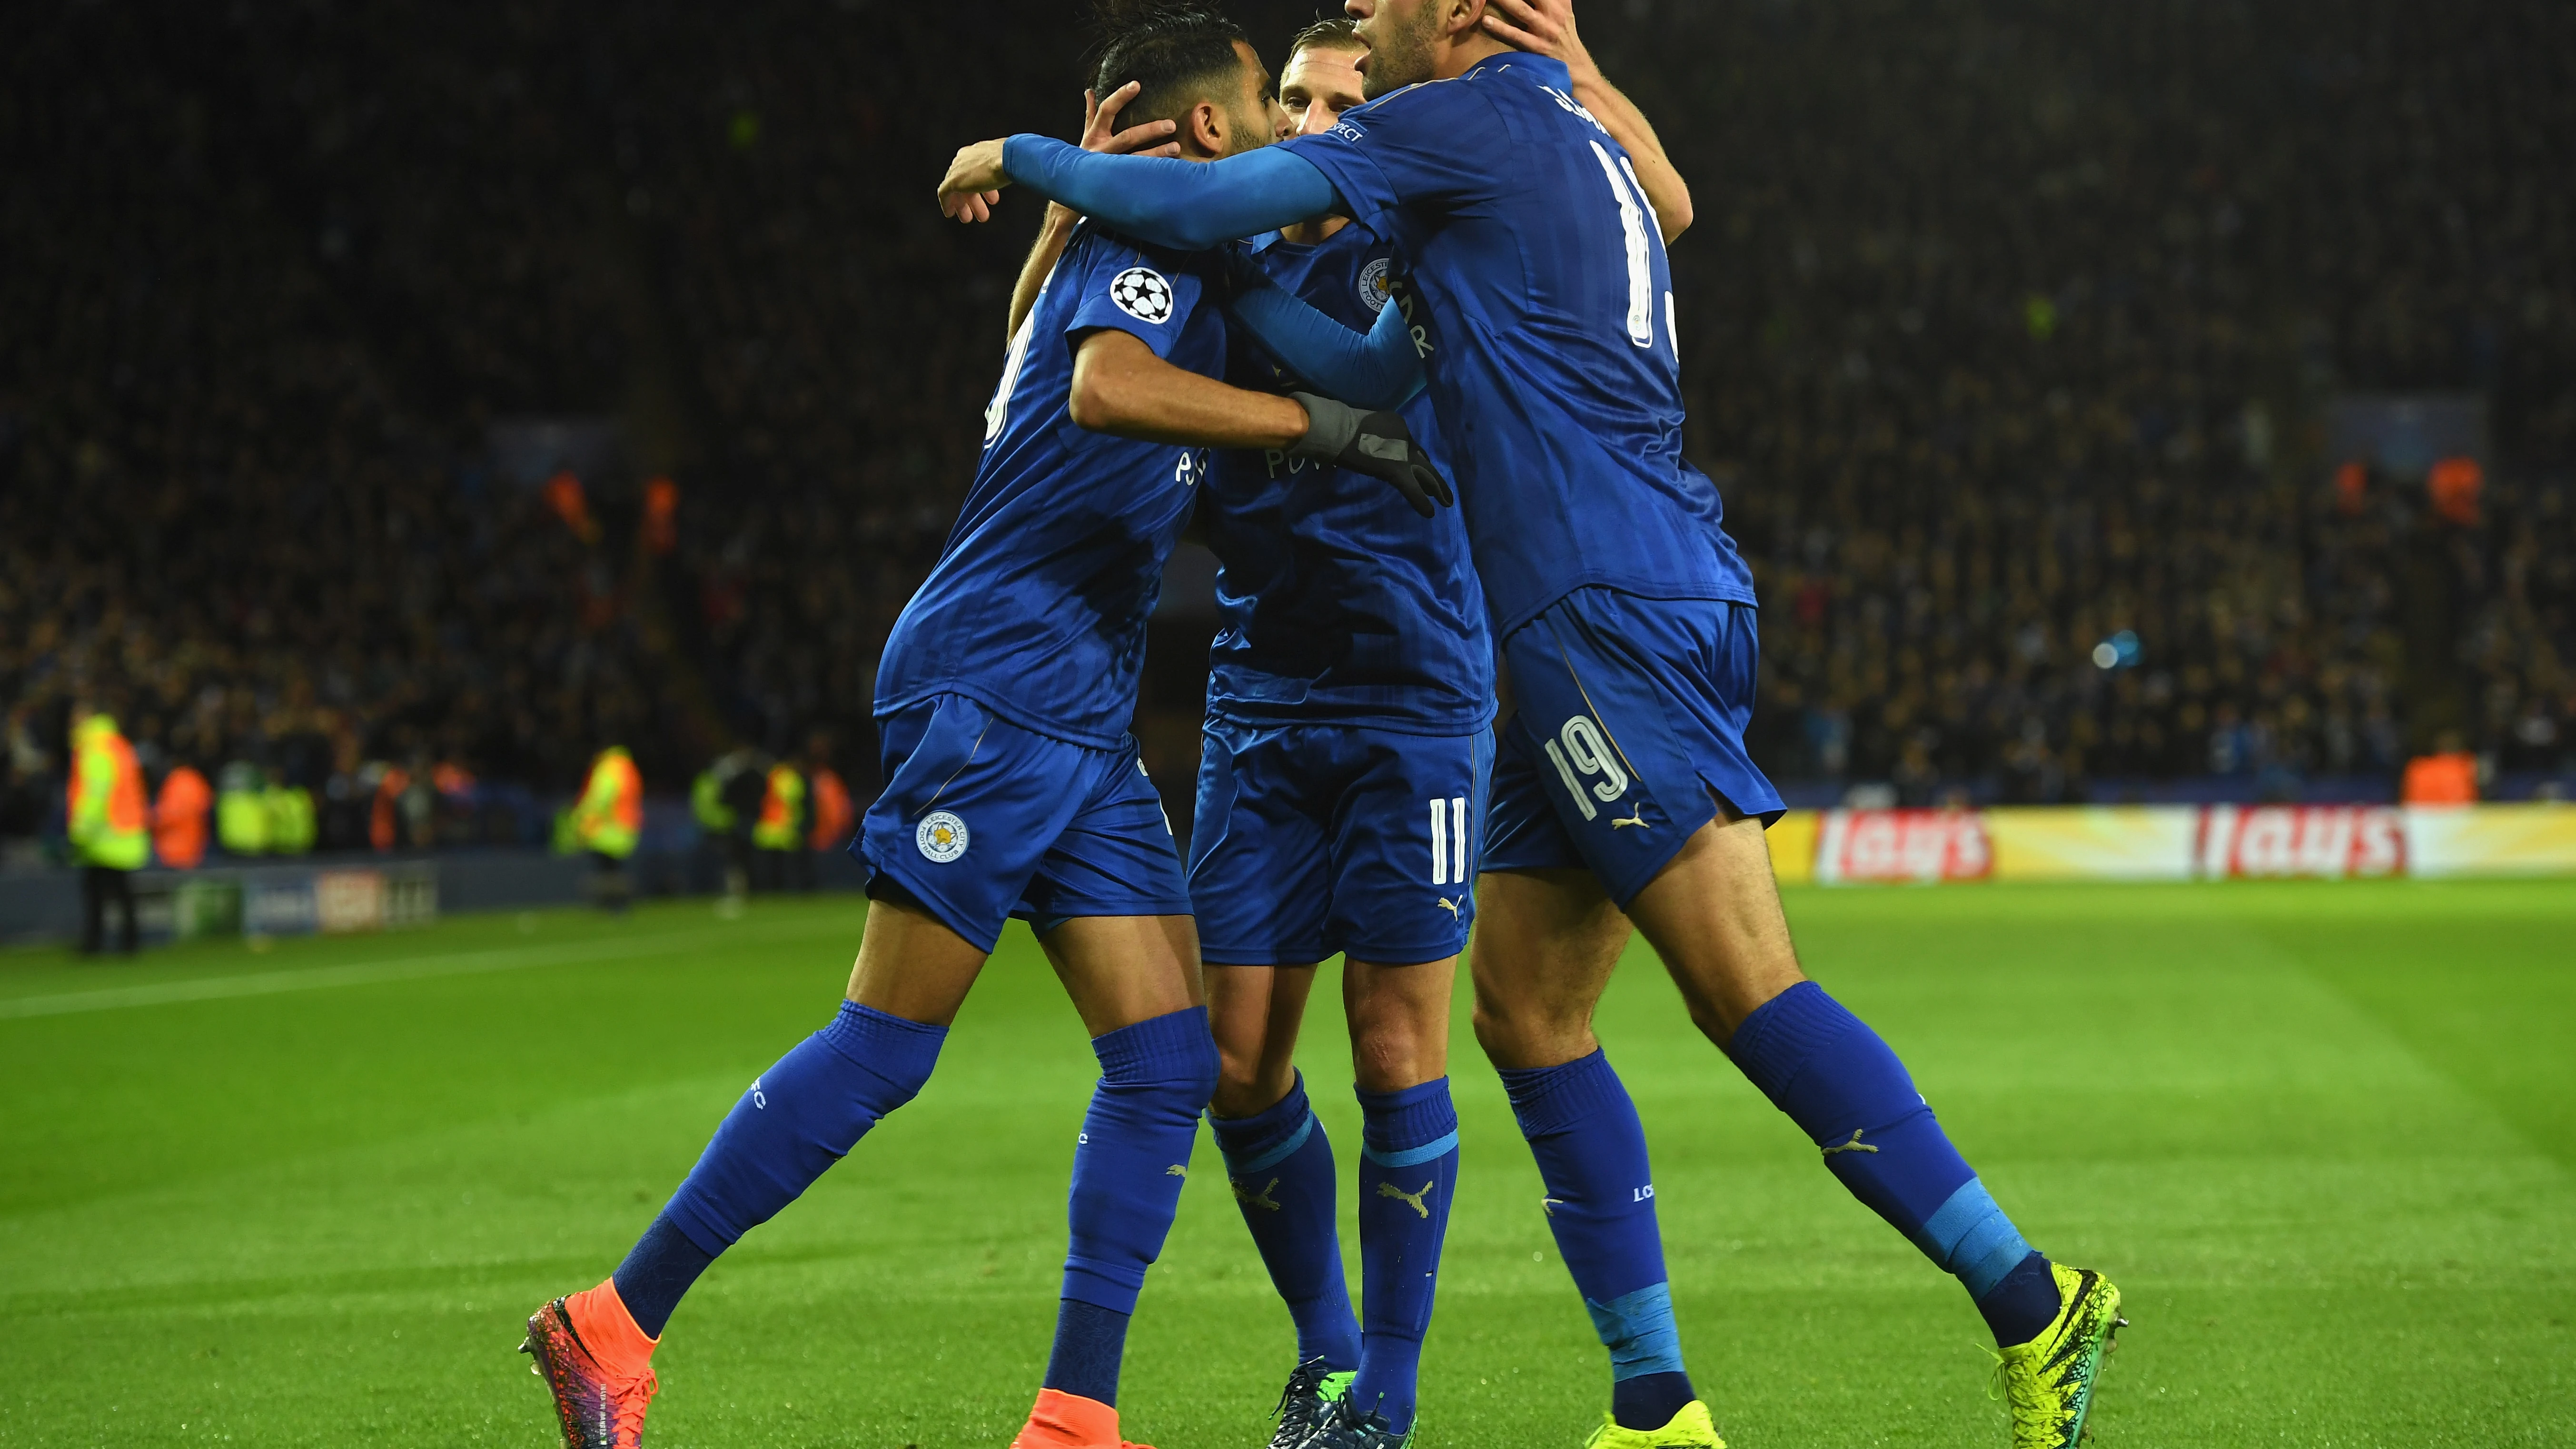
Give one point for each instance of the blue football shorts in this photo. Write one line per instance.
(1628, 728)
(1314, 839)
(982, 820)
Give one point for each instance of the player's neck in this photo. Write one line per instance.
(1464, 54)
(1313, 233)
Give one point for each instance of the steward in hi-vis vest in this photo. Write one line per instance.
(108, 822)
(609, 823)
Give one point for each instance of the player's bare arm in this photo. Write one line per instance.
(1121, 387)
(1099, 133)
(1546, 27)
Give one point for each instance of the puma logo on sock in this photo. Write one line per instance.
(1549, 1205)
(1261, 1199)
(1177, 1170)
(1411, 1199)
(1854, 1145)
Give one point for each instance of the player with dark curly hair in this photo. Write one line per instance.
(1013, 788)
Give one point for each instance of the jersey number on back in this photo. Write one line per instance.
(997, 415)
(1643, 232)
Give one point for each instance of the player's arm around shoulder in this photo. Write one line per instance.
(1546, 27)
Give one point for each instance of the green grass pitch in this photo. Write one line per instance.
(2322, 1135)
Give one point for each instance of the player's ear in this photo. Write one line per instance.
(1204, 127)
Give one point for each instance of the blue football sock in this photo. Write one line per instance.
(799, 1117)
(1851, 1096)
(1408, 1173)
(661, 1267)
(1090, 1344)
(1281, 1166)
(1591, 1153)
(1155, 1079)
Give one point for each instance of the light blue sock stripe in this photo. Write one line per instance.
(1971, 1238)
(1411, 1156)
(1981, 1277)
(1240, 1167)
(1639, 1330)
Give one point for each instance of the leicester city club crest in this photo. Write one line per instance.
(941, 836)
(1374, 287)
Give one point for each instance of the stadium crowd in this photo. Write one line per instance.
(2009, 332)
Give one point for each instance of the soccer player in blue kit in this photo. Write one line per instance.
(1014, 789)
(1622, 798)
(1341, 794)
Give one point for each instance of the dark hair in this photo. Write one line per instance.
(1177, 50)
(1336, 34)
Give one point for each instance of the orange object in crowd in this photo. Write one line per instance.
(385, 819)
(661, 515)
(564, 495)
(2446, 779)
(835, 819)
(179, 819)
(2455, 484)
(451, 778)
(2352, 489)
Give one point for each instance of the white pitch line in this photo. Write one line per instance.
(412, 968)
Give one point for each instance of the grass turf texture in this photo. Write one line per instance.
(2322, 1135)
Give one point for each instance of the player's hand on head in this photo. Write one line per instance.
(973, 185)
(1377, 444)
(1541, 27)
(1100, 127)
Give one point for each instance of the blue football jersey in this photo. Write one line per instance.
(1038, 604)
(1340, 604)
(1536, 254)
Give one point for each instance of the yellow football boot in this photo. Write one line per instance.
(2047, 1383)
(1690, 1429)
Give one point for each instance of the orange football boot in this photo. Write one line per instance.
(599, 1366)
(1070, 1421)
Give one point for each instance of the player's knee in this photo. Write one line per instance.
(1199, 1068)
(1244, 1088)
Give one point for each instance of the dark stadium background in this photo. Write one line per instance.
(2007, 328)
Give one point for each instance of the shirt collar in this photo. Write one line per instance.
(1549, 70)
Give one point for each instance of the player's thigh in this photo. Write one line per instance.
(913, 965)
(1120, 970)
(1258, 878)
(1398, 1018)
(1713, 914)
(1110, 902)
(1407, 818)
(1547, 941)
(1256, 1013)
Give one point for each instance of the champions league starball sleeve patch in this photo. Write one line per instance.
(1141, 293)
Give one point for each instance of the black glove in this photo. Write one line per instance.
(1378, 444)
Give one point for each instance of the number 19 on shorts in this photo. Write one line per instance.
(1449, 841)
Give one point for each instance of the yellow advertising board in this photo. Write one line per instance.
(2534, 839)
(2093, 842)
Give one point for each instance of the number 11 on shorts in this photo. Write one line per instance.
(1449, 841)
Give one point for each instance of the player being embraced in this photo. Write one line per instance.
(1013, 787)
(1623, 798)
(1341, 792)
